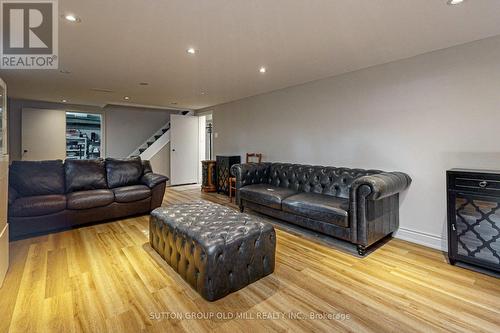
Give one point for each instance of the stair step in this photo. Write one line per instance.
(150, 143)
(141, 150)
(165, 129)
(157, 137)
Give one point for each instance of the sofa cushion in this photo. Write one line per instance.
(325, 208)
(123, 172)
(37, 205)
(264, 194)
(90, 199)
(84, 175)
(32, 178)
(131, 193)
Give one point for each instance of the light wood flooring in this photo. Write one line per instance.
(106, 278)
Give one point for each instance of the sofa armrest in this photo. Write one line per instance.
(153, 179)
(375, 206)
(248, 174)
(13, 195)
(383, 185)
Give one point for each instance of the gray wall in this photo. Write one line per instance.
(125, 127)
(421, 115)
(14, 114)
(128, 127)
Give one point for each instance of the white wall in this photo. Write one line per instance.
(161, 162)
(421, 115)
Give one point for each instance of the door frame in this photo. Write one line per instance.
(195, 117)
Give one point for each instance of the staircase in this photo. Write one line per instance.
(156, 142)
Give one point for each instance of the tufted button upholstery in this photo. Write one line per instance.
(215, 249)
(316, 179)
(358, 205)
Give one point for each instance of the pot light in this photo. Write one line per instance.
(262, 69)
(63, 100)
(126, 98)
(143, 83)
(454, 2)
(72, 18)
(191, 50)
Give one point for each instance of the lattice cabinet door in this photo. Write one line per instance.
(474, 221)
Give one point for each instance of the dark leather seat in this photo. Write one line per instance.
(267, 195)
(52, 195)
(38, 205)
(90, 199)
(361, 206)
(319, 207)
(131, 193)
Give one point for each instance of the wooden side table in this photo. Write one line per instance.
(208, 182)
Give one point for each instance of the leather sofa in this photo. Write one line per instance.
(51, 195)
(360, 206)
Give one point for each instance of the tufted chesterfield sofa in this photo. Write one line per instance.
(51, 195)
(360, 206)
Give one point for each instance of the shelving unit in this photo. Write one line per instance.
(83, 136)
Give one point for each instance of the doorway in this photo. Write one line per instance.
(83, 135)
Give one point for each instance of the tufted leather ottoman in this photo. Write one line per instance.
(217, 250)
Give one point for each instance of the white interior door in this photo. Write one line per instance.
(183, 149)
(43, 134)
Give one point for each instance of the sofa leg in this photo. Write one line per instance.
(242, 208)
(361, 250)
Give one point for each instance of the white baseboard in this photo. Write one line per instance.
(422, 238)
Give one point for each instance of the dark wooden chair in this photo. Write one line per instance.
(251, 157)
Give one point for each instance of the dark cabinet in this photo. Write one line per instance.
(224, 164)
(474, 217)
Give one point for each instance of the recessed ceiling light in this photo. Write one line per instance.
(191, 50)
(72, 18)
(454, 2)
(63, 100)
(126, 98)
(262, 69)
(143, 83)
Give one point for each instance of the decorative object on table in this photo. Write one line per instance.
(474, 217)
(208, 176)
(251, 157)
(224, 164)
(360, 206)
(216, 249)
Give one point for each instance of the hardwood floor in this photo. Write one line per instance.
(107, 278)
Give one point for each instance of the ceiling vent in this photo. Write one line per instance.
(107, 91)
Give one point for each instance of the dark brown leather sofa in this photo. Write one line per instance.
(360, 206)
(51, 195)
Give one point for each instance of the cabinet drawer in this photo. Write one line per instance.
(477, 184)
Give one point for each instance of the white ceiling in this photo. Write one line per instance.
(123, 42)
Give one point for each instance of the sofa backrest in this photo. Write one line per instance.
(84, 175)
(32, 178)
(123, 172)
(316, 179)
